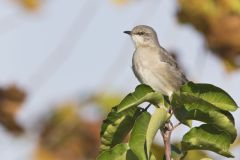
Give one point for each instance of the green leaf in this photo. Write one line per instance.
(122, 117)
(176, 153)
(137, 141)
(209, 104)
(158, 151)
(144, 131)
(142, 93)
(207, 137)
(195, 154)
(119, 152)
(187, 107)
(158, 118)
(211, 94)
(117, 126)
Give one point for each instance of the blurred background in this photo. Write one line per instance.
(65, 63)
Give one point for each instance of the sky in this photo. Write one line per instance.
(68, 48)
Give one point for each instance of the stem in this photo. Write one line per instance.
(166, 134)
(173, 127)
(166, 131)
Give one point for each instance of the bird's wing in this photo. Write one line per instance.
(166, 57)
(170, 77)
(172, 64)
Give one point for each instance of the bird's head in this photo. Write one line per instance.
(143, 36)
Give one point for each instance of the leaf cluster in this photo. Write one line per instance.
(202, 102)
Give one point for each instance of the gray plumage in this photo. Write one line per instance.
(152, 65)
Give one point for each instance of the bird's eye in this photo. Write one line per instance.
(140, 33)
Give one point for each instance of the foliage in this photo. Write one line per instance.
(68, 136)
(219, 21)
(11, 100)
(31, 5)
(201, 102)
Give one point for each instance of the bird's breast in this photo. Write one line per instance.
(144, 61)
(145, 58)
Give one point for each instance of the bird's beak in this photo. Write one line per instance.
(128, 32)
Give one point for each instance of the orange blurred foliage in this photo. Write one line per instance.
(67, 136)
(11, 100)
(30, 4)
(219, 21)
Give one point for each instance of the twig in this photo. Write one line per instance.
(145, 109)
(173, 127)
(166, 134)
(167, 145)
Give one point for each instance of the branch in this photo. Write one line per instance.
(145, 109)
(178, 124)
(166, 134)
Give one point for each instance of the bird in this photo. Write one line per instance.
(152, 64)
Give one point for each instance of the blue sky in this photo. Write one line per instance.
(67, 47)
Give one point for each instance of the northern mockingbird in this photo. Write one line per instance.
(152, 65)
